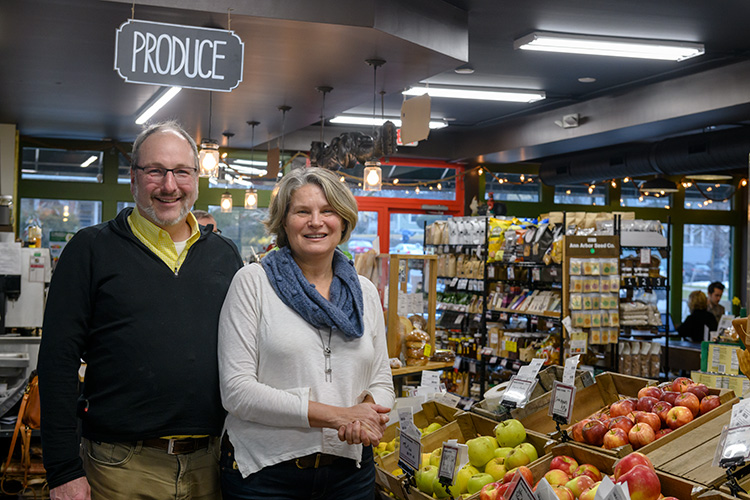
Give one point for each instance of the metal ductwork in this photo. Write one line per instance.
(720, 151)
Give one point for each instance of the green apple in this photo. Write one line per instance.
(530, 450)
(481, 451)
(477, 481)
(441, 492)
(425, 477)
(432, 427)
(435, 456)
(495, 468)
(463, 476)
(510, 432)
(503, 452)
(517, 458)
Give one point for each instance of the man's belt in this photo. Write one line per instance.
(178, 446)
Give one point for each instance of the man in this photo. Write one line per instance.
(138, 299)
(204, 219)
(715, 291)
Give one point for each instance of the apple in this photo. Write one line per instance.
(517, 458)
(510, 433)
(530, 450)
(590, 494)
(503, 452)
(463, 475)
(700, 390)
(622, 422)
(477, 482)
(564, 463)
(481, 451)
(680, 384)
(579, 484)
(431, 428)
(622, 407)
(709, 403)
(641, 435)
(440, 491)
(678, 416)
(652, 391)
(425, 477)
(670, 396)
(663, 432)
(602, 415)
(643, 483)
(435, 456)
(525, 473)
(556, 477)
(647, 417)
(495, 468)
(576, 431)
(614, 438)
(593, 432)
(588, 470)
(661, 408)
(646, 403)
(689, 400)
(491, 491)
(563, 493)
(629, 461)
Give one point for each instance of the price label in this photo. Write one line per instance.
(645, 256)
(740, 414)
(459, 319)
(511, 273)
(493, 360)
(519, 489)
(536, 274)
(447, 468)
(510, 346)
(472, 367)
(569, 372)
(619, 492)
(561, 402)
(491, 272)
(454, 281)
(462, 283)
(736, 445)
(409, 452)
(457, 363)
(517, 393)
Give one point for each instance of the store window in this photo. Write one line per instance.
(124, 204)
(58, 215)
(123, 169)
(709, 196)
(630, 196)
(581, 194)
(47, 164)
(512, 187)
(407, 232)
(707, 257)
(363, 237)
(412, 182)
(245, 228)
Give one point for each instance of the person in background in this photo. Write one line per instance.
(715, 291)
(693, 327)
(138, 299)
(205, 219)
(303, 362)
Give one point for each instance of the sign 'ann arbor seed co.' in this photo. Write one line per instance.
(179, 56)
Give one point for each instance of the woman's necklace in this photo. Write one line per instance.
(327, 354)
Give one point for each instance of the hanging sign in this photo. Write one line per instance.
(178, 56)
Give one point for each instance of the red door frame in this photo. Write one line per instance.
(387, 206)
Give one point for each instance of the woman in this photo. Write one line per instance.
(693, 326)
(302, 356)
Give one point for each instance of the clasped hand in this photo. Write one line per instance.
(367, 424)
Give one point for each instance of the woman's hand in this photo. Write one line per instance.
(367, 426)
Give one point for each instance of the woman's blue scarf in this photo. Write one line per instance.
(344, 310)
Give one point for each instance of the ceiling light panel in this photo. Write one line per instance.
(504, 95)
(369, 120)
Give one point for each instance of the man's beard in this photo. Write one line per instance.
(151, 211)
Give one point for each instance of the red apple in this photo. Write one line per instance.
(669, 498)
(614, 438)
(588, 470)
(491, 491)
(641, 435)
(563, 493)
(593, 433)
(678, 416)
(602, 415)
(646, 403)
(651, 391)
(650, 418)
(690, 401)
(643, 483)
(565, 463)
(629, 461)
(576, 430)
(622, 422)
(709, 403)
(661, 408)
(525, 473)
(622, 407)
(700, 390)
(580, 484)
(665, 386)
(663, 432)
(590, 494)
(557, 476)
(631, 416)
(670, 396)
(680, 384)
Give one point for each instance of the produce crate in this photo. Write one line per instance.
(682, 464)
(540, 396)
(431, 412)
(384, 477)
(671, 485)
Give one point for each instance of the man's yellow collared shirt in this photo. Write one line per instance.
(159, 241)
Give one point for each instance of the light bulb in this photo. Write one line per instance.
(480, 171)
(372, 178)
(439, 186)
(522, 177)
(417, 190)
(395, 181)
(341, 179)
(626, 179)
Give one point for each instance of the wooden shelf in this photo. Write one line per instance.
(431, 365)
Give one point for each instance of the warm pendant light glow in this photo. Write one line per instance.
(226, 202)
(373, 176)
(251, 199)
(208, 158)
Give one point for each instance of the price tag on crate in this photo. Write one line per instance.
(409, 452)
(734, 447)
(612, 491)
(517, 393)
(561, 402)
(448, 460)
(569, 372)
(519, 489)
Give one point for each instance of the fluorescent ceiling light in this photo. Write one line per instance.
(369, 120)
(248, 170)
(664, 50)
(91, 159)
(252, 163)
(157, 105)
(505, 95)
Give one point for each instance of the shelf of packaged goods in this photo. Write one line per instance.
(431, 365)
(545, 314)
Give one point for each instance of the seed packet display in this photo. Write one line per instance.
(596, 319)
(576, 284)
(591, 267)
(609, 266)
(576, 301)
(576, 267)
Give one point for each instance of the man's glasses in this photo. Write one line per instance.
(157, 174)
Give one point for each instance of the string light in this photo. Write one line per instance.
(522, 178)
(416, 190)
(342, 179)
(395, 181)
(743, 182)
(439, 186)
(626, 179)
(614, 183)
(480, 171)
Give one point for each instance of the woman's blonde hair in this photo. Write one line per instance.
(336, 192)
(697, 301)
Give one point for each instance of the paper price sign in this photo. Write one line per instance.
(517, 393)
(736, 447)
(409, 451)
(561, 402)
(740, 414)
(569, 372)
(519, 489)
(448, 459)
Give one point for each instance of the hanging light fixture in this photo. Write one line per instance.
(226, 202)
(373, 175)
(251, 199)
(208, 158)
(658, 186)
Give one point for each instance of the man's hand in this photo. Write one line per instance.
(77, 489)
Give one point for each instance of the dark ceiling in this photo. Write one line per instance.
(58, 78)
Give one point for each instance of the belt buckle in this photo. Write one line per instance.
(314, 466)
(171, 447)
